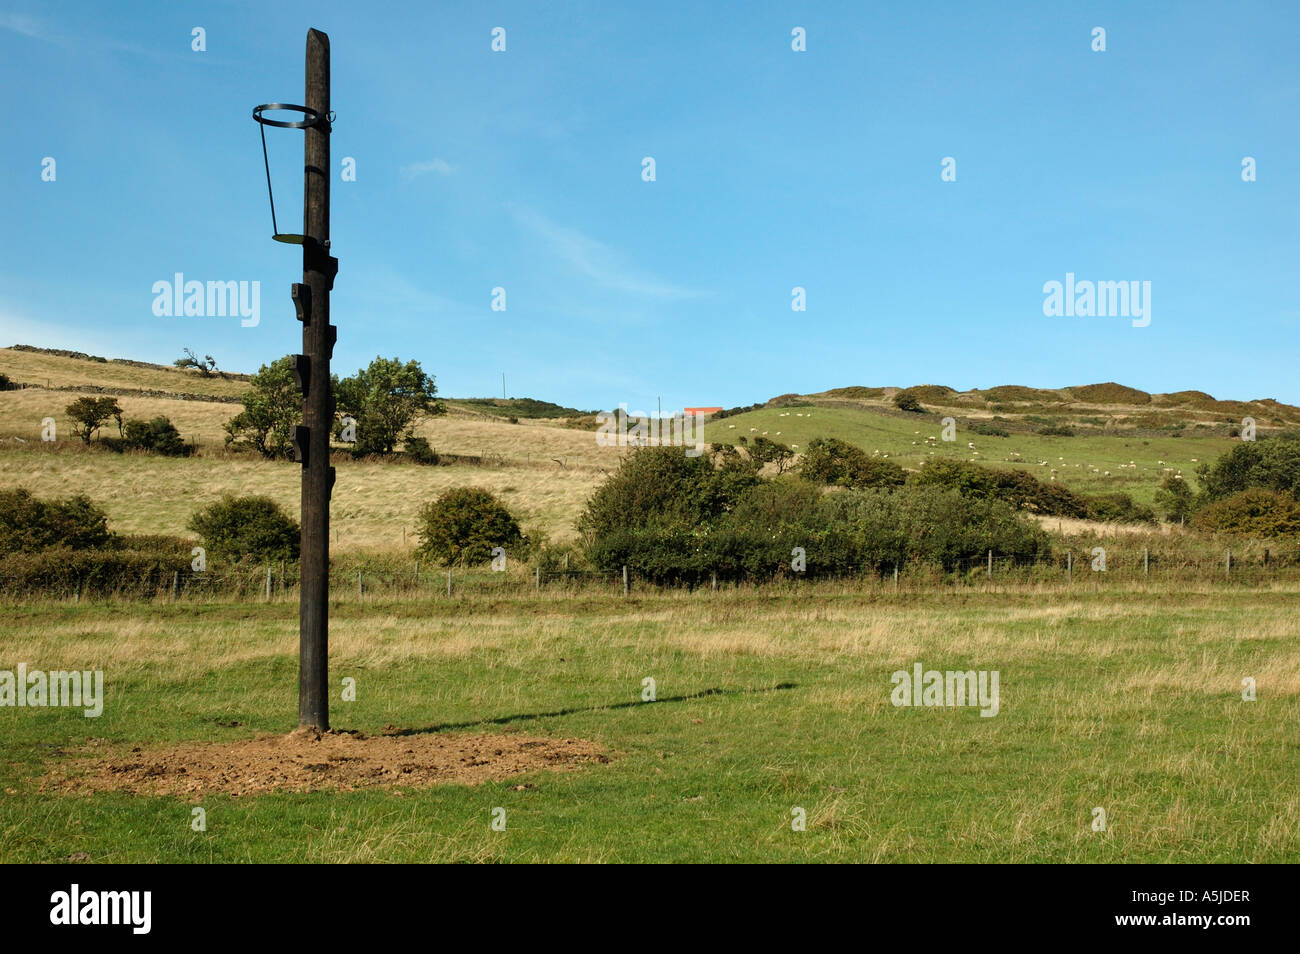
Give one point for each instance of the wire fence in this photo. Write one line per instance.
(1076, 567)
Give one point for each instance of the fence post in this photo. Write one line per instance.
(417, 572)
(76, 592)
(1227, 564)
(625, 579)
(1146, 561)
(358, 584)
(895, 576)
(449, 582)
(990, 573)
(268, 582)
(538, 572)
(1069, 565)
(176, 583)
(714, 576)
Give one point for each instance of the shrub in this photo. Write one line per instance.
(254, 527)
(463, 525)
(1019, 488)
(157, 436)
(1118, 507)
(138, 567)
(418, 450)
(1257, 512)
(654, 483)
(767, 451)
(28, 524)
(1056, 430)
(906, 401)
(1271, 465)
(989, 430)
(829, 460)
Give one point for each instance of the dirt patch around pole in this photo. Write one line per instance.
(306, 760)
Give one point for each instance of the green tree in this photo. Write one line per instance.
(1272, 464)
(272, 407)
(386, 400)
(464, 524)
(90, 414)
(205, 366)
(906, 401)
(767, 451)
(1174, 498)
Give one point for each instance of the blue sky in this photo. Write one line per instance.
(775, 169)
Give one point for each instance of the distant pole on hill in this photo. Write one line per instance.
(503, 387)
(318, 336)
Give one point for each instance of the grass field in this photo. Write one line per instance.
(1128, 699)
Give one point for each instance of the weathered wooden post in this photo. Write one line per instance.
(1069, 565)
(311, 371)
(625, 579)
(990, 573)
(449, 583)
(1146, 561)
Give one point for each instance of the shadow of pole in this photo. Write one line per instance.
(525, 716)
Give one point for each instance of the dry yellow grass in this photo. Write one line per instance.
(35, 369)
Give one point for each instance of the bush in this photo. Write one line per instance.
(655, 483)
(1118, 507)
(29, 525)
(829, 460)
(1256, 512)
(158, 436)
(418, 450)
(140, 566)
(253, 527)
(989, 430)
(1271, 465)
(1056, 430)
(463, 525)
(906, 401)
(1019, 488)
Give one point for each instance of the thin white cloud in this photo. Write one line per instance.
(597, 260)
(25, 25)
(435, 165)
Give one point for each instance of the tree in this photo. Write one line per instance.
(767, 451)
(272, 408)
(90, 414)
(29, 524)
(191, 360)
(463, 526)
(1175, 498)
(1273, 464)
(386, 400)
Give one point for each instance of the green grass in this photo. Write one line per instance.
(1086, 457)
(1126, 698)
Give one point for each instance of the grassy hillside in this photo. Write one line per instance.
(546, 470)
(1079, 462)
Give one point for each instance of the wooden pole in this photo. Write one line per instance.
(358, 584)
(538, 572)
(895, 576)
(1069, 564)
(715, 579)
(625, 579)
(449, 582)
(268, 582)
(313, 438)
(990, 574)
(176, 583)
(1227, 564)
(1146, 561)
